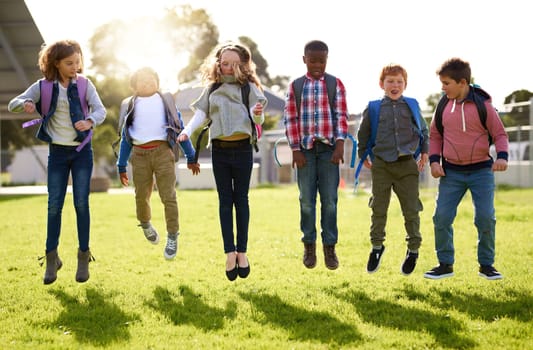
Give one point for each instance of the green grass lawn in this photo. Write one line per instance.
(135, 299)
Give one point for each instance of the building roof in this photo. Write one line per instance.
(20, 43)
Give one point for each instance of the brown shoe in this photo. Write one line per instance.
(330, 258)
(309, 255)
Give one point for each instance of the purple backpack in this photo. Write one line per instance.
(46, 99)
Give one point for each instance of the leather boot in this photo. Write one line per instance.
(53, 264)
(330, 257)
(309, 255)
(82, 274)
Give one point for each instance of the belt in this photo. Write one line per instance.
(150, 145)
(404, 158)
(230, 144)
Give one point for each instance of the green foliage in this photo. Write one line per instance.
(518, 115)
(137, 300)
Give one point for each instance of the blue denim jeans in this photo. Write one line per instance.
(63, 161)
(318, 175)
(232, 168)
(452, 189)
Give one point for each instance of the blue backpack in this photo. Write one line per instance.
(373, 114)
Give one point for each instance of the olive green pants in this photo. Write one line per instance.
(402, 177)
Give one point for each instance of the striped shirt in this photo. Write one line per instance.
(314, 121)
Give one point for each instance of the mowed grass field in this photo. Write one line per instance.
(135, 299)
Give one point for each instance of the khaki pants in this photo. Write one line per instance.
(146, 163)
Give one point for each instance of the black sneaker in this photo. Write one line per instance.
(409, 263)
(441, 271)
(489, 272)
(374, 259)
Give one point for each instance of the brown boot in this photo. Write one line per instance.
(82, 275)
(330, 258)
(309, 255)
(53, 264)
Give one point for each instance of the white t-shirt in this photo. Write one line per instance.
(60, 126)
(149, 123)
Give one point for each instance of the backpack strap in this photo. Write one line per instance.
(417, 116)
(81, 83)
(373, 115)
(126, 107)
(212, 88)
(46, 87)
(331, 87)
(245, 91)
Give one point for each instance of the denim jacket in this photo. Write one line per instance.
(33, 93)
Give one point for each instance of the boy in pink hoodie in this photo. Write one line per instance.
(459, 157)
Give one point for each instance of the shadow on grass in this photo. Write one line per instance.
(188, 308)
(384, 313)
(513, 304)
(95, 321)
(300, 323)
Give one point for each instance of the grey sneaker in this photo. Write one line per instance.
(172, 246)
(150, 233)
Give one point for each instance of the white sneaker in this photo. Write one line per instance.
(151, 234)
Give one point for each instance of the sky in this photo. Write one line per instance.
(363, 36)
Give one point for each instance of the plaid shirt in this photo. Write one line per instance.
(314, 120)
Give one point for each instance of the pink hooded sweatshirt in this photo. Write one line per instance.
(465, 140)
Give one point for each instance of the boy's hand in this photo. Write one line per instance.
(183, 137)
(298, 159)
(194, 167)
(338, 153)
(437, 170)
(499, 165)
(367, 163)
(422, 161)
(124, 179)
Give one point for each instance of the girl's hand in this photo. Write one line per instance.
(183, 137)
(83, 125)
(258, 109)
(29, 107)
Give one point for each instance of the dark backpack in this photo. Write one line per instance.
(479, 96)
(331, 86)
(373, 115)
(256, 128)
(173, 129)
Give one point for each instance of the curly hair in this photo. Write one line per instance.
(244, 72)
(51, 54)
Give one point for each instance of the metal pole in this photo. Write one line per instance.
(530, 152)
